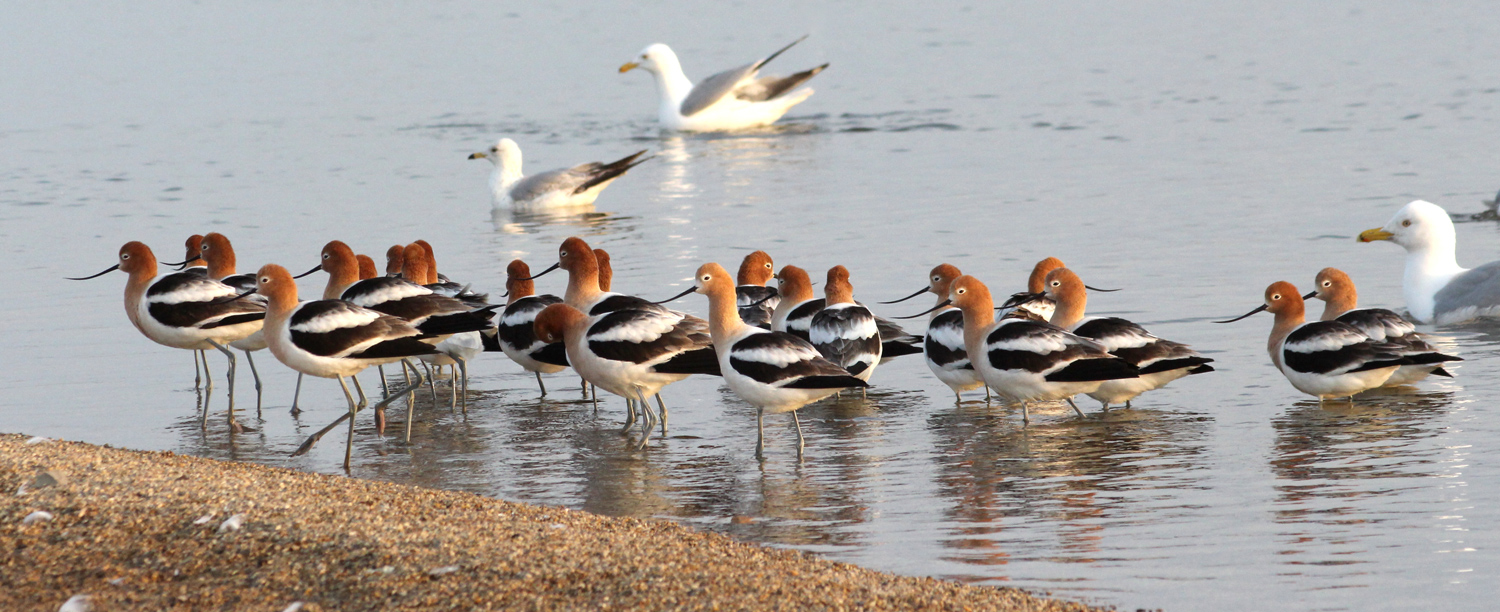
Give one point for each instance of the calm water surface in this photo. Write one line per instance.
(1188, 153)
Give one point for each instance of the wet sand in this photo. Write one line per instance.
(147, 531)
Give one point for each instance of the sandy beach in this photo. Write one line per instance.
(136, 530)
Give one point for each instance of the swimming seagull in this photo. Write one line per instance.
(1437, 290)
(576, 186)
(734, 99)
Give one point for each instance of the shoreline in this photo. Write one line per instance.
(156, 530)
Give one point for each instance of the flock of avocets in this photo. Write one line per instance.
(777, 348)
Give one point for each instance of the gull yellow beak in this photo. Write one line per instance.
(628, 66)
(478, 156)
(1371, 235)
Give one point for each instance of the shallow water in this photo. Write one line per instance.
(1189, 154)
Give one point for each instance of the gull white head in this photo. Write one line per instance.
(506, 156)
(1418, 226)
(656, 59)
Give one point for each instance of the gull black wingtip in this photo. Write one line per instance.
(106, 271)
(941, 305)
(544, 272)
(919, 292)
(1257, 309)
(678, 296)
(314, 269)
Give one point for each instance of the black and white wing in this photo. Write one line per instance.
(846, 334)
(1332, 348)
(944, 344)
(1131, 342)
(1383, 325)
(185, 300)
(336, 328)
(743, 84)
(782, 360)
(517, 330)
(1054, 353)
(758, 315)
(800, 318)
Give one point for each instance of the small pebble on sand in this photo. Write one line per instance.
(40, 516)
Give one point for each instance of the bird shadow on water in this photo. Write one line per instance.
(1048, 490)
(1335, 464)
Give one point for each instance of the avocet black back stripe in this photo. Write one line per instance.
(697, 361)
(800, 318)
(240, 282)
(759, 316)
(555, 354)
(235, 320)
(944, 344)
(331, 327)
(638, 336)
(1095, 368)
(1332, 347)
(399, 347)
(624, 302)
(777, 357)
(1036, 347)
(1382, 325)
(517, 326)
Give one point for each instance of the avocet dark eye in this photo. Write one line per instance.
(265, 280)
(1327, 283)
(125, 256)
(1276, 297)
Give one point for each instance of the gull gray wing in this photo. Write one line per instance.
(714, 88)
(772, 87)
(563, 180)
(1475, 293)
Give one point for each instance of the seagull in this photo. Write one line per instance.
(562, 187)
(1438, 291)
(734, 99)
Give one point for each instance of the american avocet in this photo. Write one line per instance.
(193, 265)
(517, 332)
(1028, 361)
(1160, 361)
(193, 261)
(583, 294)
(943, 344)
(367, 267)
(185, 310)
(218, 253)
(798, 306)
(1340, 299)
(576, 186)
(1438, 291)
(394, 257)
(774, 371)
(844, 331)
(794, 312)
(606, 271)
(427, 311)
(333, 339)
(443, 285)
(1328, 359)
(631, 352)
(734, 99)
(454, 350)
(755, 300)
